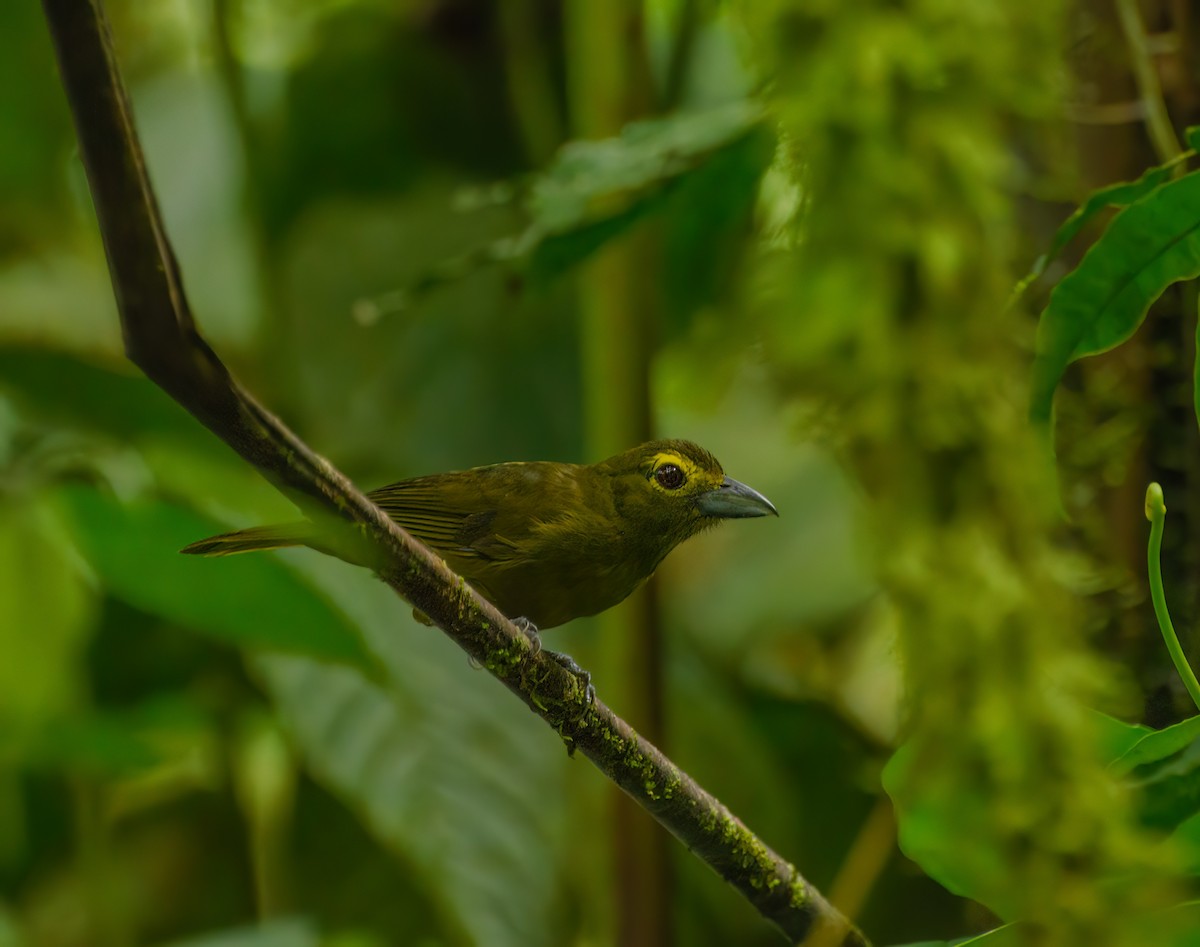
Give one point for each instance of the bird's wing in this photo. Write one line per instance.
(465, 514)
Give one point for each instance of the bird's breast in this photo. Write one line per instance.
(557, 582)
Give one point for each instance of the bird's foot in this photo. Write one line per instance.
(530, 631)
(568, 664)
(565, 661)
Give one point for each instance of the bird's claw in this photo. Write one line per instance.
(565, 661)
(568, 664)
(530, 631)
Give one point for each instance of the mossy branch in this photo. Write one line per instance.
(161, 338)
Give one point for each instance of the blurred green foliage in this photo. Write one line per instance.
(380, 225)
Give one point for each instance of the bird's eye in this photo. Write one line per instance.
(669, 477)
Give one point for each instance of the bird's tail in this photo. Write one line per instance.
(250, 540)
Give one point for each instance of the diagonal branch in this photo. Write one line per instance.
(161, 338)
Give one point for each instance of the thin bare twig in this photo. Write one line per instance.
(162, 339)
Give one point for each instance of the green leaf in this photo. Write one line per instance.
(1165, 768)
(96, 743)
(1116, 737)
(1191, 135)
(1158, 745)
(1006, 936)
(1186, 839)
(1121, 194)
(68, 391)
(929, 943)
(46, 615)
(1169, 788)
(707, 227)
(252, 601)
(1151, 244)
(596, 190)
(161, 732)
(445, 769)
(930, 831)
(604, 177)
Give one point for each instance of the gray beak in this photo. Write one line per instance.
(733, 500)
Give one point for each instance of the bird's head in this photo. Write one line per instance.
(671, 489)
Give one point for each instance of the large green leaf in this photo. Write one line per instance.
(929, 831)
(1169, 788)
(445, 768)
(588, 176)
(73, 393)
(1121, 194)
(1164, 766)
(253, 601)
(595, 190)
(1116, 737)
(1151, 244)
(1158, 745)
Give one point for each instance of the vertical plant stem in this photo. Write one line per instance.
(252, 148)
(530, 80)
(682, 47)
(609, 85)
(1156, 513)
(1158, 121)
(868, 856)
(264, 782)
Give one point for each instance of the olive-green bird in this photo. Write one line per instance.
(549, 542)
